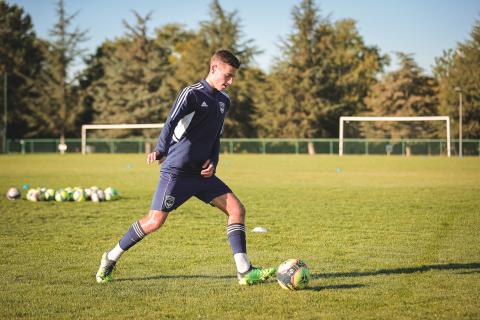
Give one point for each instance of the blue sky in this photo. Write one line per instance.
(422, 27)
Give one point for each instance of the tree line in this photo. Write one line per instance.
(324, 70)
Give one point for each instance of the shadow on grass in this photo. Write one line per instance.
(449, 266)
(336, 287)
(175, 276)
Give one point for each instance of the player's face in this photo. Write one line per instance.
(223, 75)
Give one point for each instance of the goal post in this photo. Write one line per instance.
(392, 119)
(86, 127)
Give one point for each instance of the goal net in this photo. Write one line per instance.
(86, 127)
(391, 119)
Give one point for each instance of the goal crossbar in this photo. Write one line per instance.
(431, 118)
(86, 127)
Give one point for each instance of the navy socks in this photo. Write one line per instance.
(237, 238)
(134, 234)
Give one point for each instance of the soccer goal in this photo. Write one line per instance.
(392, 119)
(86, 127)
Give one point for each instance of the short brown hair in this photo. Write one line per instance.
(226, 57)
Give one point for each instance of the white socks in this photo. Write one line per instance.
(242, 262)
(115, 253)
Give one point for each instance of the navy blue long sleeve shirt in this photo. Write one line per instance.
(191, 134)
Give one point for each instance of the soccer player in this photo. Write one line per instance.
(188, 149)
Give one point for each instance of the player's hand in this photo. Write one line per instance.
(208, 169)
(152, 156)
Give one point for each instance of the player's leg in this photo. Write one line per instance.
(234, 209)
(137, 231)
(164, 200)
(218, 194)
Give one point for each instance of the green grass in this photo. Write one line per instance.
(386, 237)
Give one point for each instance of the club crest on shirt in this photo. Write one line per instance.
(222, 106)
(169, 200)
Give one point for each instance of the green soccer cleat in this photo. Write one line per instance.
(255, 275)
(104, 273)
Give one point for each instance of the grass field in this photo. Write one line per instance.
(385, 238)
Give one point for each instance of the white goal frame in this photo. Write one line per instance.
(86, 127)
(433, 118)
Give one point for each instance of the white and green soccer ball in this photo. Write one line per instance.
(49, 194)
(69, 192)
(293, 274)
(41, 192)
(88, 193)
(111, 194)
(61, 195)
(79, 195)
(33, 195)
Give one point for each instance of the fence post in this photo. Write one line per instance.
(403, 147)
(140, 146)
(296, 146)
(366, 147)
(263, 146)
(331, 146)
(230, 146)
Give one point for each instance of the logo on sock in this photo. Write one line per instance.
(169, 200)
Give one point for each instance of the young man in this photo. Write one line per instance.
(188, 148)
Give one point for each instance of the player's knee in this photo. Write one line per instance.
(155, 225)
(153, 221)
(237, 211)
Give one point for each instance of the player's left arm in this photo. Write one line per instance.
(210, 165)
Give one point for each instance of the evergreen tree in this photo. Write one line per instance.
(290, 106)
(461, 69)
(21, 60)
(325, 71)
(65, 48)
(406, 92)
(131, 84)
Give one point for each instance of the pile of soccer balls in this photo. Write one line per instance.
(76, 194)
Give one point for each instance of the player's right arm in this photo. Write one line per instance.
(184, 104)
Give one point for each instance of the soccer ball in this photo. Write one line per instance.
(97, 195)
(13, 194)
(61, 195)
(88, 193)
(293, 274)
(69, 192)
(111, 194)
(79, 195)
(33, 195)
(49, 194)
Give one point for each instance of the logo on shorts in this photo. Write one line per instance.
(222, 106)
(169, 200)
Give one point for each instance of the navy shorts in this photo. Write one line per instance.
(173, 190)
